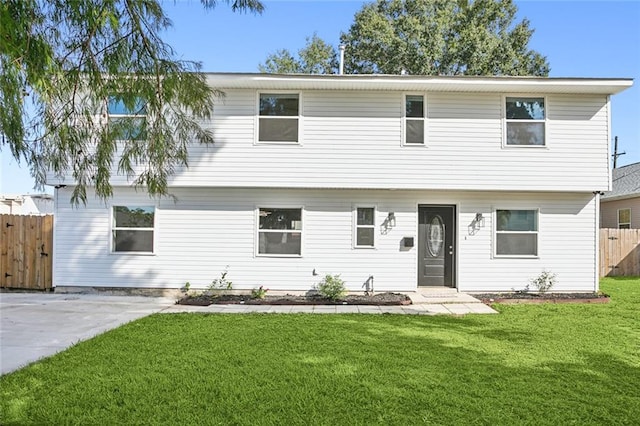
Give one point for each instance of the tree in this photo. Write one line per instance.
(62, 63)
(441, 37)
(317, 57)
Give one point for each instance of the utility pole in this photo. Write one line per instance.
(615, 152)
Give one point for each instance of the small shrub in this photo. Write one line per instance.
(222, 283)
(543, 282)
(332, 287)
(259, 293)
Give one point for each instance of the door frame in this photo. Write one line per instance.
(454, 273)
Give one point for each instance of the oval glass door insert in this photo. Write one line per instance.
(435, 236)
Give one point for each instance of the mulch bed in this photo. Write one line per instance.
(381, 299)
(532, 298)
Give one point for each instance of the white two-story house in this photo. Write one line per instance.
(474, 183)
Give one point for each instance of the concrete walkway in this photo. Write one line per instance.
(424, 302)
(37, 325)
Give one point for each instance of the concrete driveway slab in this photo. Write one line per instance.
(37, 325)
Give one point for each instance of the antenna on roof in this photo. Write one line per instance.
(615, 154)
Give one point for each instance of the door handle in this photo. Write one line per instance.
(450, 249)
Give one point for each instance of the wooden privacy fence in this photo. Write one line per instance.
(26, 247)
(619, 252)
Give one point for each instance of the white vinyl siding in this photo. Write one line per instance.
(352, 139)
(206, 229)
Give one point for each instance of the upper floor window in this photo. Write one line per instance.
(278, 117)
(280, 231)
(133, 229)
(516, 233)
(127, 121)
(624, 218)
(414, 120)
(365, 227)
(525, 118)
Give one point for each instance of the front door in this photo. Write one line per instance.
(436, 245)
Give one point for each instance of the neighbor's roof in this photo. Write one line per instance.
(625, 183)
(604, 86)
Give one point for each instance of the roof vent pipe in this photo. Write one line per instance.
(341, 69)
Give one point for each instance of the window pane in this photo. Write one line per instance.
(133, 217)
(519, 133)
(415, 131)
(365, 216)
(525, 108)
(280, 218)
(365, 237)
(279, 104)
(278, 130)
(415, 106)
(129, 240)
(516, 220)
(124, 128)
(624, 216)
(517, 244)
(117, 106)
(279, 242)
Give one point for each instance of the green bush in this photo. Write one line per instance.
(222, 283)
(332, 287)
(544, 282)
(259, 293)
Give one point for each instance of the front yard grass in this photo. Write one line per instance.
(532, 364)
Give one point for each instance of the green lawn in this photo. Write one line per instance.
(532, 364)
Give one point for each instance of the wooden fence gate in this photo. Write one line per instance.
(619, 252)
(26, 251)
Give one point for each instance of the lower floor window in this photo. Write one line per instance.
(133, 229)
(516, 233)
(280, 231)
(365, 227)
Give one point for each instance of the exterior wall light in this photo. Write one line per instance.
(391, 219)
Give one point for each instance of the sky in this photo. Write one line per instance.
(579, 38)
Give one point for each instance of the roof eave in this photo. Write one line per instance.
(606, 86)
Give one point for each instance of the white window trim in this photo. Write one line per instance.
(258, 230)
(356, 226)
(256, 138)
(495, 234)
(624, 223)
(505, 121)
(403, 141)
(113, 228)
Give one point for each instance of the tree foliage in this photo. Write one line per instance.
(441, 37)
(426, 37)
(60, 63)
(317, 57)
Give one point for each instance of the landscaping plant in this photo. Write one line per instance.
(332, 287)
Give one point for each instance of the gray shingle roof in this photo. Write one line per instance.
(625, 182)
